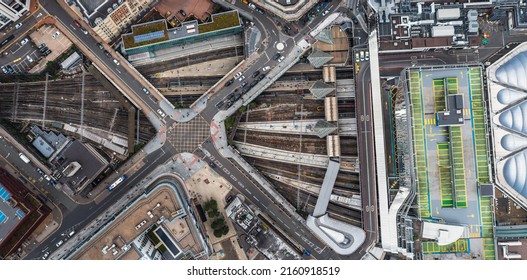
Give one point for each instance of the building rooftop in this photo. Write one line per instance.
(91, 162)
(157, 31)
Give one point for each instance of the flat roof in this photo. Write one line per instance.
(157, 31)
(8, 215)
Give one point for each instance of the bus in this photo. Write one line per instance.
(116, 183)
(24, 157)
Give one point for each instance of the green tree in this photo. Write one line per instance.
(218, 223)
(210, 205)
(213, 213)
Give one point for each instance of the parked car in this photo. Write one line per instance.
(276, 56)
(239, 74)
(59, 243)
(244, 84)
(23, 42)
(55, 35)
(241, 78)
(281, 58)
(253, 83)
(229, 82)
(100, 46)
(146, 91)
(43, 45)
(107, 54)
(252, 6)
(29, 59)
(266, 68)
(261, 77)
(260, 10)
(256, 74)
(116, 62)
(325, 12)
(84, 31)
(76, 23)
(183, 13)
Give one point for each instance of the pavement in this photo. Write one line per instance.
(128, 80)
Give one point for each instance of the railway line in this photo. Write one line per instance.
(151, 69)
(24, 102)
(346, 181)
(307, 203)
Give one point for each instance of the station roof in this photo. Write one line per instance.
(324, 128)
(318, 58)
(444, 234)
(320, 89)
(325, 36)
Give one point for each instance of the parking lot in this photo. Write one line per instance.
(56, 42)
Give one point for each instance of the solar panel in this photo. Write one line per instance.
(2, 217)
(149, 36)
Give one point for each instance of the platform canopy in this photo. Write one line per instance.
(320, 89)
(319, 58)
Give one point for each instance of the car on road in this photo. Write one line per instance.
(255, 74)
(244, 84)
(146, 91)
(116, 62)
(29, 59)
(183, 13)
(239, 74)
(161, 113)
(100, 46)
(76, 23)
(18, 25)
(212, 164)
(47, 177)
(59, 243)
(241, 78)
(46, 254)
(23, 42)
(260, 10)
(107, 54)
(55, 35)
(252, 6)
(41, 46)
(229, 82)
(281, 58)
(84, 31)
(307, 252)
(355, 21)
(266, 68)
(325, 12)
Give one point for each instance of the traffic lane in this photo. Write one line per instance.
(294, 229)
(91, 43)
(28, 170)
(85, 213)
(28, 22)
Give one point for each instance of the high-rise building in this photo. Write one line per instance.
(12, 10)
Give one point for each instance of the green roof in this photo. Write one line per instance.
(160, 25)
(220, 21)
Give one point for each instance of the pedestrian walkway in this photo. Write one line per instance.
(460, 246)
(478, 125)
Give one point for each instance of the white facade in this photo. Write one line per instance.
(13, 11)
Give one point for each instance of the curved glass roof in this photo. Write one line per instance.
(515, 173)
(507, 96)
(514, 71)
(515, 118)
(511, 142)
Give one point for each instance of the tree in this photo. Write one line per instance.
(218, 223)
(210, 205)
(213, 213)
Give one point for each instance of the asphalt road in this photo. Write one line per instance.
(81, 215)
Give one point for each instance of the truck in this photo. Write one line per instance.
(23, 157)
